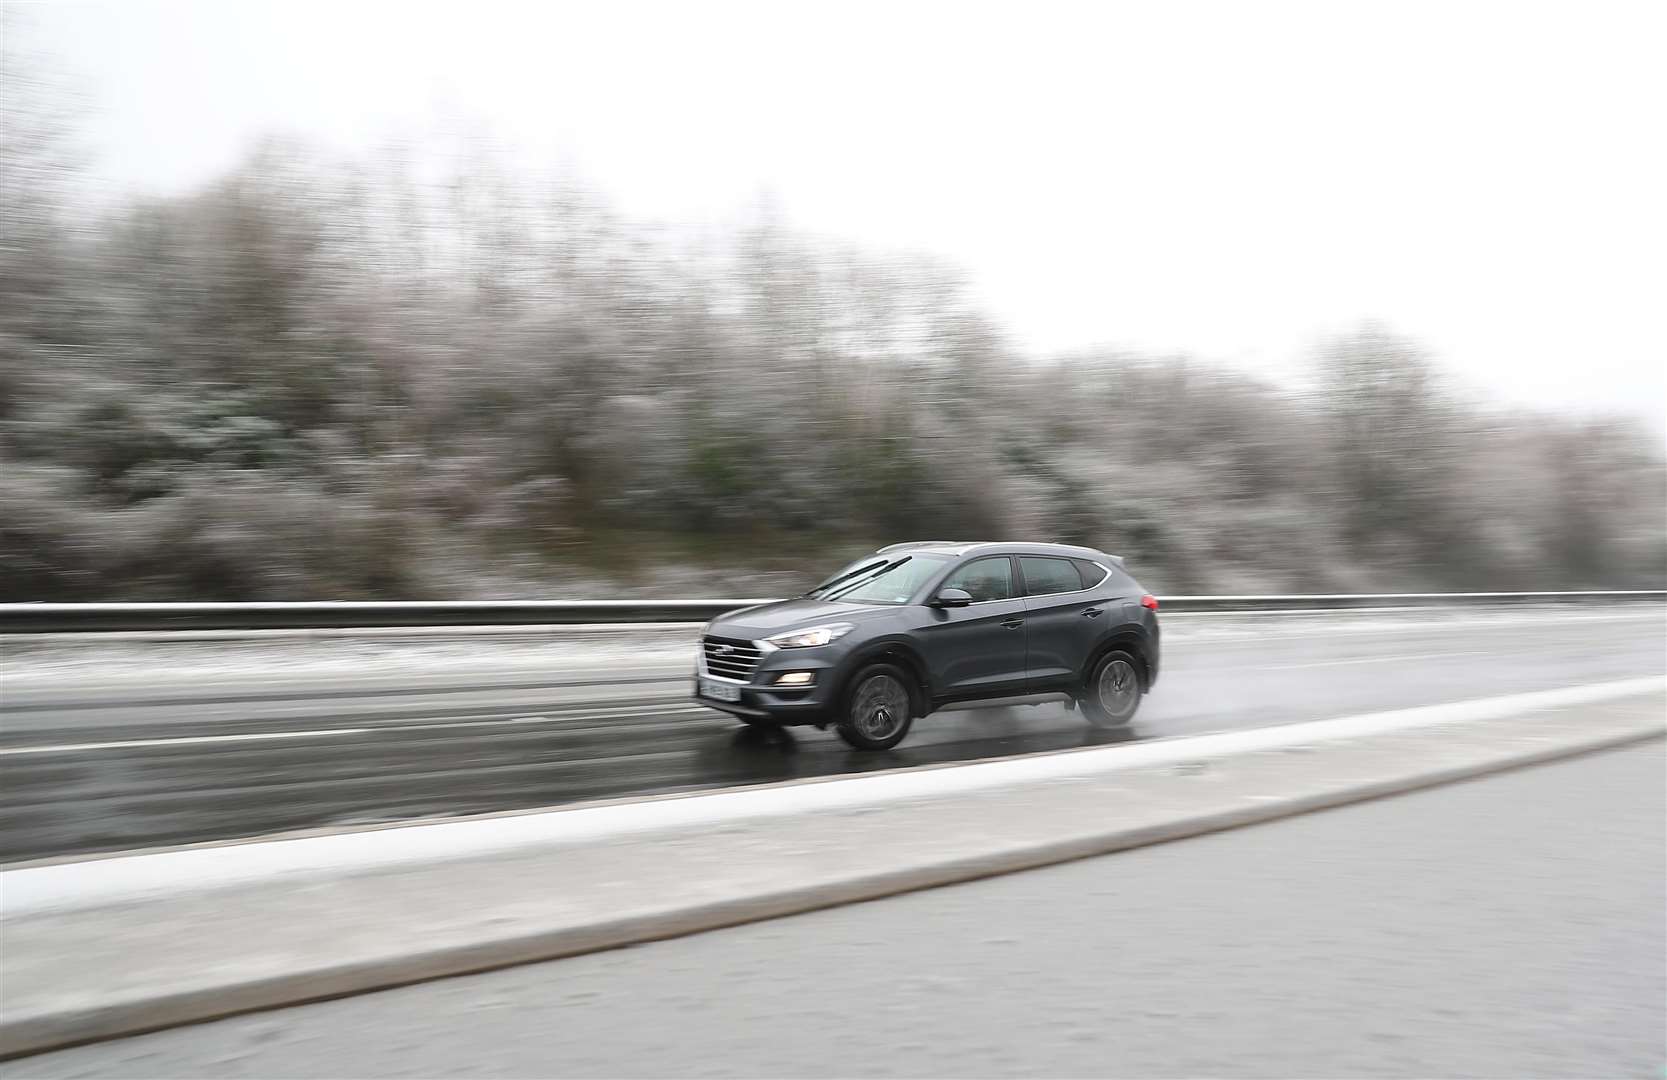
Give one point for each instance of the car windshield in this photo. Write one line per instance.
(880, 581)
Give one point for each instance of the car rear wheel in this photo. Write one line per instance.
(877, 711)
(1112, 692)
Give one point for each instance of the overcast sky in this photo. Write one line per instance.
(1230, 180)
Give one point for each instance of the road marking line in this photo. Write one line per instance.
(253, 736)
(1212, 669)
(597, 710)
(1363, 660)
(124, 744)
(681, 710)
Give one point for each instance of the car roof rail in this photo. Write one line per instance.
(1116, 559)
(919, 543)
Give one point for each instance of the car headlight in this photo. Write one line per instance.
(815, 635)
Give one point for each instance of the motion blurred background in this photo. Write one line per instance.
(470, 301)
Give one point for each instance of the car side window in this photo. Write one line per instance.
(984, 579)
(1091, 573)
(1044, 575)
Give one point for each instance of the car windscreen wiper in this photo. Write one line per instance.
(848, 575)
(848, 587)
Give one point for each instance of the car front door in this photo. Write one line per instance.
(1062, 620)
(978, 650)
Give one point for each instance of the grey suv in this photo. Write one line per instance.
(919, 626)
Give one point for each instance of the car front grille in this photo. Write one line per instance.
(731, 658)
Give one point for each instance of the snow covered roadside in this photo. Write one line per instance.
(265, 657)
(283, 656)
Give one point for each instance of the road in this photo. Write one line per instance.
(1509, 926)
(83, 773)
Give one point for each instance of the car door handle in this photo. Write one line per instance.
(1013, 624)
(1093, 612)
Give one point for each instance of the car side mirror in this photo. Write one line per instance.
(952, 598)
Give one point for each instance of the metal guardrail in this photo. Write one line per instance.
(71, 618)
(340, 614)
(1330, 601)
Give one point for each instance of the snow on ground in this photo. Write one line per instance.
(55, 659)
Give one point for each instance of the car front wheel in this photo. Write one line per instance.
(1112, 692)
(876, 714)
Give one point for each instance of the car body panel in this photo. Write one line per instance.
(1067, 630)
(763, 620)
(975, 650)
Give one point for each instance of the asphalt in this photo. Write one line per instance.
(86, 768)
(1507, 926)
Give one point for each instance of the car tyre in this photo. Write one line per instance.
(877, 710)
(1111, 694)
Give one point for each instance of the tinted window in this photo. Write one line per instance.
(1049, 575)
(984, 579)
(1091, 573)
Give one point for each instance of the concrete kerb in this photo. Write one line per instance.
(47, 1008)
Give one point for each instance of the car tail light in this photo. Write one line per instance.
(1149, 602)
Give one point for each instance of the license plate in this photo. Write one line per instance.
(718, 691)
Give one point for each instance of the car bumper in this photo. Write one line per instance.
(789, 713)
(761, 699)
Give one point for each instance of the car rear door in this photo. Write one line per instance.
(1062, 621)
(978, 650)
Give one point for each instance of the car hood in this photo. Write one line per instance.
(766, 619)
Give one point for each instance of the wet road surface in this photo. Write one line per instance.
(83, 774)
(1507, 926)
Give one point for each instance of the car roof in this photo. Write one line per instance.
(999, 547)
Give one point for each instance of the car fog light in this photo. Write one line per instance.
(796, 678)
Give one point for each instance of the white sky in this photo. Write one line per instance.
(1232, 180)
